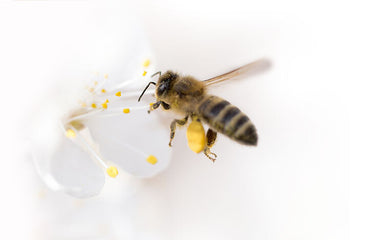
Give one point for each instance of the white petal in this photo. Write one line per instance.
(145, 132)
(68, 168)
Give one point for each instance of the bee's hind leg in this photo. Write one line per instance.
(211, 136)
(173, 125)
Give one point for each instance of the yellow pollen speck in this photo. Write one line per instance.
(93, 105)
(151, 104)
(103, 90)
(151, 159)
(146, 63)
(126, 110)
(196, 136)
(106, 76)
(144, 73)
(104, 105)
(106, 101)
(95, 83)
(118, 94)
(112, 171)
(70, 133)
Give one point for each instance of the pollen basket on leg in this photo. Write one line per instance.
(196, 136)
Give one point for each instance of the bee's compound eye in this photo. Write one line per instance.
(162, 88)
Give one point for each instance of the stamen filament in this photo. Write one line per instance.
(88, 147)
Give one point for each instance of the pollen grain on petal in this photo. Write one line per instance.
(112, 171)
(118, 94)
(104, 105)
(144, 73)
(126, 110)
(146, 63)
(70, 133)
(93, 105)
(151, 159)
(103, 90)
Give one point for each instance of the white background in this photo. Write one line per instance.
(295, 184)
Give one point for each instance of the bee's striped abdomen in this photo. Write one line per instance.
(226, 118)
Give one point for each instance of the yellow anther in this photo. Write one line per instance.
(83, 104)
(93, 105)
(126, 110)
(112, 171)
(118, 94)
(146, 63)
(91, 89)
(106, 76)
(70, 133)
(106, 101)
(151, 159)
(103, 90)
(104, 105)
(144, 73)
(95, 83)
(196, 136)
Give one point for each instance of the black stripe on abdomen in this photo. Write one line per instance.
(211, 107)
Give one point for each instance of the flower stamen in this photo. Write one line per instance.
(71, 132)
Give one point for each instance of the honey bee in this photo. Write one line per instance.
(189, 97)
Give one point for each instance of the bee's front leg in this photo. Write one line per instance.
(173, 125)
(154, 106)
(211, 136)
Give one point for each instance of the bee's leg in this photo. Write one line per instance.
(173, 125)
(154, 106)
(211, 136)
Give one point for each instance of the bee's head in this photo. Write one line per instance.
(165, 83)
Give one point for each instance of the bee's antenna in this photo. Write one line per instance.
(156, 74)
(146, 89)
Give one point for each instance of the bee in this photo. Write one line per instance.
(189, 97)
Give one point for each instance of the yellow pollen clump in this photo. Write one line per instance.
(146, 63)
(118, 94)
(104, 105)
(106, 101)
(144, 73)
(151, 159)
(70, 133)
(103, 90)
(126, 110)
(93, 105)
(106, 76)
(112, 171)
(196, 136)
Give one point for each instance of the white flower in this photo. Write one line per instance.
(91, 126)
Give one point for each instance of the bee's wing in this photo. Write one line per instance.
(245, 70)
